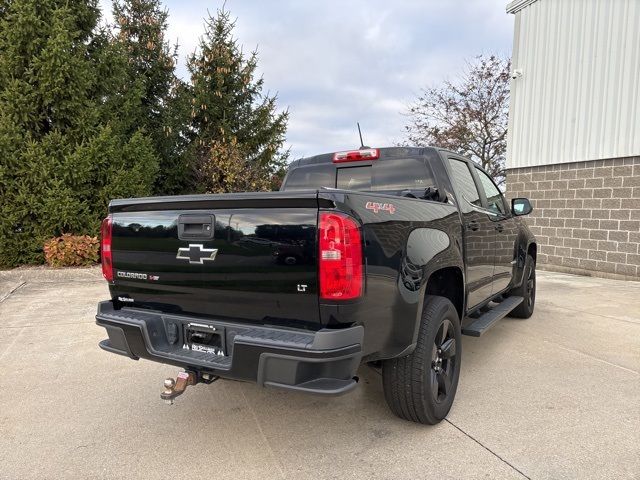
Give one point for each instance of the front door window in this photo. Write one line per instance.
(494, 197)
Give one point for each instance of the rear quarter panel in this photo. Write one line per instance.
(405, 241)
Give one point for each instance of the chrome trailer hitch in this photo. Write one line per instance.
(175, 388)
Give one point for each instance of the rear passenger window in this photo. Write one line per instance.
(463, 182)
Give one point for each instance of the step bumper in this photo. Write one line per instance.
(321, 362)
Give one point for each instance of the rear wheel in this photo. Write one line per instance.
(527, 291)
(420, 387)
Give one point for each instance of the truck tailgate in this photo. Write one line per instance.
(249, 257)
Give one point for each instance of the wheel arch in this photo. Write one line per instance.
(526, 245)
(448, 282)
(532, 250)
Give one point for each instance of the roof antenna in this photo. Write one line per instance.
(362, 145)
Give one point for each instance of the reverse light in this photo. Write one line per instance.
(356, 155)
(105, 248)
(340, 257)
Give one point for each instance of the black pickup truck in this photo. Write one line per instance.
(385, 256)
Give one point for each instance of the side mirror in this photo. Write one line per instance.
(521, 206)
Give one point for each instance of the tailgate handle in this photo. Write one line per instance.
(196, 227)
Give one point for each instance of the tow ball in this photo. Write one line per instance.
(175, 388)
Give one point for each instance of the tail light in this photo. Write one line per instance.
(356, 155)
(105, 249)
(340, 252)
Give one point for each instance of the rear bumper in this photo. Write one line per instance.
(322, 362)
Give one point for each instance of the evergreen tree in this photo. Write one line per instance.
(60, 158)
(141, 27)
(230, 113)
(4, 6)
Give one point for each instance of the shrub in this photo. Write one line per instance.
(71, 250)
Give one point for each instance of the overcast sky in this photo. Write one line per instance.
(333, 63)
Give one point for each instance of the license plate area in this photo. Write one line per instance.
(200, 337)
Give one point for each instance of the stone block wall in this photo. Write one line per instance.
(586, 215)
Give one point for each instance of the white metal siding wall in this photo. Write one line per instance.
(579, 94)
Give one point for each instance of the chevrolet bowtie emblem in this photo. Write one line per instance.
(196, 253)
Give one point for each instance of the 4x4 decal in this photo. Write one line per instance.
(377, 207)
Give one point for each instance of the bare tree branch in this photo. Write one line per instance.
(468, 116)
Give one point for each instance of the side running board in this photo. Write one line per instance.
(488, 319)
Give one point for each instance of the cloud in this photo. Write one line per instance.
(333, 63)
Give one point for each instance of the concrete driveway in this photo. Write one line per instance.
(555, 396)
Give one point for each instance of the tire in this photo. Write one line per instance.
(421, 386)
(527, 291)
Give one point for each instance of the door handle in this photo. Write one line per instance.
(473, 225)
(196, 227)
(499, 228)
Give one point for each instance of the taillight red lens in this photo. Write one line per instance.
(340, 257)
(105, 249)
(356, 155)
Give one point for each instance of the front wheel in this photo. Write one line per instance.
(421, 386)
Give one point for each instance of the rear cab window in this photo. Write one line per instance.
(311, 177)
(391, 175)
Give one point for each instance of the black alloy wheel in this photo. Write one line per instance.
(443, 362)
